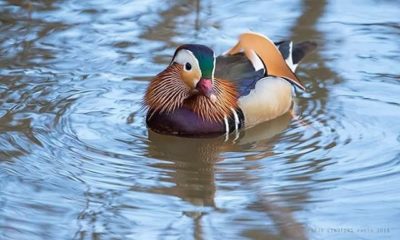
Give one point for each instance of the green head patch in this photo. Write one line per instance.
(205, 57)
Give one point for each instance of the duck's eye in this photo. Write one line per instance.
(188, 66)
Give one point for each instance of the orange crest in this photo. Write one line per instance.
(264, 48)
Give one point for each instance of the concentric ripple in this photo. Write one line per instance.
(77, 161)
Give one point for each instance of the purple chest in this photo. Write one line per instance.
(184, 122)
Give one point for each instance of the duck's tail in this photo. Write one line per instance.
(293, 54)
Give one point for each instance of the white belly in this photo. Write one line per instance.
(270, 98)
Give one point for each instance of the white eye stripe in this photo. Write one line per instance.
(185, 56)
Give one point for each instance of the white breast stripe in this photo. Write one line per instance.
(226, 125)
(236, 119)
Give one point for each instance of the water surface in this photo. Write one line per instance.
(77, 162)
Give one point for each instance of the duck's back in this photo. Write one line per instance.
(261, 98)
(262, 94)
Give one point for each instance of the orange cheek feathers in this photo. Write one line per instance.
(190, 78)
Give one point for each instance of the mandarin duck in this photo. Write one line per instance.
(200, 94)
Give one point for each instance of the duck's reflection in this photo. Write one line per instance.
(190, 161)
(190, 165)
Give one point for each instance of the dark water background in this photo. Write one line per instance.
(77, 162)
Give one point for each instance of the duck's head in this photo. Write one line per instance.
(197, 63)
(190, 74)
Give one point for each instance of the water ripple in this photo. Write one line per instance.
(77, 161)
